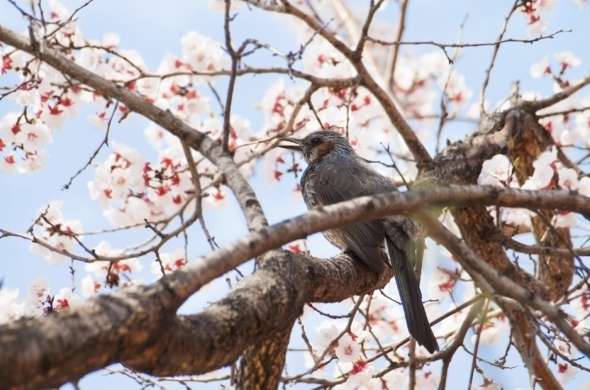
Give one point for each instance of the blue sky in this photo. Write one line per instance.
(154, 29)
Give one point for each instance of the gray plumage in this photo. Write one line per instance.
(335, 174)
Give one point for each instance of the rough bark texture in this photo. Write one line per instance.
(99, 333)
(139, 330)
(461, 164)
(262, 364)
(529, 141)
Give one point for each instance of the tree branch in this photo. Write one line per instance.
(147, 307)
(416, 147)
(137, 103)
(401, 26)
(51, 350)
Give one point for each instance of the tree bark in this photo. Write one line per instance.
(262, 364)
(137, 327)
(477, 226)
(529, 141)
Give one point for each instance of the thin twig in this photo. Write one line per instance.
(478, 338)
(482, 95)
(105, 142)
(401, 26)
(235, 58)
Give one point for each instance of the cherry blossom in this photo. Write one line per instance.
(201, 53)
(532, 10)
(323, 60)
(120, 173)
(444, 281)
(10, 309)
(55, 231)
(65, 299)
(39, 302)
(541, 68)
(22, 143)
(567, 59)
(496, 171)
(518, 218)
(385, 321)
(118, 273)
(132, 190)
(171, 261)
(277, 105)
(89, 286)
(159, 138)
(425, 379)
(360, 377)
(348, 348)
(567, 178)
(566, 372)
(544, 170)
(326, 332)
(565, 220)
(456, 89)
(110, 40)
(584, 186)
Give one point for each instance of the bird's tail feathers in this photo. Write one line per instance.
(411, 298)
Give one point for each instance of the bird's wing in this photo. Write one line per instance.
(333, 183)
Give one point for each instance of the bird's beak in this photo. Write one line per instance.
(295, 141)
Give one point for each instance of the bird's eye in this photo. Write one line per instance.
(316, 141)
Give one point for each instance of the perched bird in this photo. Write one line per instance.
(335, 173)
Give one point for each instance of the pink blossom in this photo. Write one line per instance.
(567, 59)
(348, 348)
(57, 232)
(89, 286)
(326, 333)
(566, 372)
(171, 261)
(202, 53)
(541, 68)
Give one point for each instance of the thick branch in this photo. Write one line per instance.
(461, 163)
(554, 99)
(186, 282)
(63, 346)
(503, 285)
(132, 310)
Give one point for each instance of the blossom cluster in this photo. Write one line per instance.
(549, 173)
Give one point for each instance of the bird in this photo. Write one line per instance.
(335, 173)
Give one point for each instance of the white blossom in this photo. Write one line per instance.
(540, 68)
(567, 59)
(496, 171)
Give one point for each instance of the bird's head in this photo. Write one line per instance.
(317, 145)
